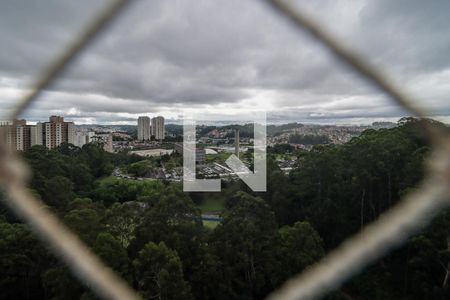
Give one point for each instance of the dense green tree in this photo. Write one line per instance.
(85, 222)
(113, 254)
(82, 178)
(416, 271)
(112, 190)
(281, 149)
(59, 283)
(264, 238)
(81, 203)
(159, 273)
(22, 259)
(143, 168)
(244, 244)
(58, 192)
(176, 221)
(123, 219)
(298, 247)
(345, 187)
(98, 160)
(277, 195)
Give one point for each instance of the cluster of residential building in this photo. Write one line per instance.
(19, 135)
(83, 137)
(336, 134)
(148, 128)
(219, 134)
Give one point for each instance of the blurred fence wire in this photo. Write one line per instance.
(374, 241)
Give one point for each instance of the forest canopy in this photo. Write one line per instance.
(151, 232)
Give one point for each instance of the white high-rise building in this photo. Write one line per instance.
(143, 130)
(158, 130)
(90, 136)
(38, 136)
(80, 139)
(70, 133)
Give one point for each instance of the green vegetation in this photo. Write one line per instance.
(130, 129)
(210, 224)
(152, 234)
(172, 161)
(281, 149)
(220, 157)
(142, 168)
(160, 273)
(174, 129)
(212, 204)
(148, 166)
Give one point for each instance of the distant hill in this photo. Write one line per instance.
(174, 129)
(277, 129)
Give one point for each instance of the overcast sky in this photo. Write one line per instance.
(224, 58)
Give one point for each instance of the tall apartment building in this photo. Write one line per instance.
(158, 130)
(143, 130)
(18, 135)
(55, 132)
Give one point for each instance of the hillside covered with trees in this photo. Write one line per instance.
(151, 232)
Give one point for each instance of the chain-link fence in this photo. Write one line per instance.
(374, 241)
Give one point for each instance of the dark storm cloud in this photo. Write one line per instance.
(32, 32)
(164, 56)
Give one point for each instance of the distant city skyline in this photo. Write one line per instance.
(353, 122)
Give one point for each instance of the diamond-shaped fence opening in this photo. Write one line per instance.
(374, 241)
